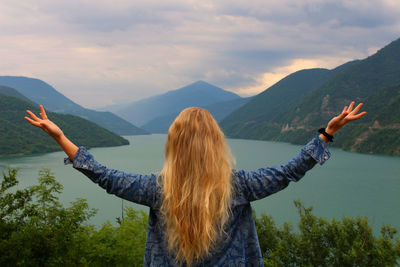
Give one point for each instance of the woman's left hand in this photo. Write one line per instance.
(53, 130)
(44, 123)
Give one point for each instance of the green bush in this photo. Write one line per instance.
(36, 230)
(318, 242)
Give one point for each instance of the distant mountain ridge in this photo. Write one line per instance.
(199, 93)
(42, 93)
(290, 110)
(218, 110)
(8, 91)
(18, 137)
(367, 80)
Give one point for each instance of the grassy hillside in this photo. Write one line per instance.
(18, 137)
(42, 93)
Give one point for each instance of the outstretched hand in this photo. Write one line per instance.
(53, 130)
(44, 123)
(348, 114)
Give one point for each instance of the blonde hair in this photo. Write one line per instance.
(196, 182)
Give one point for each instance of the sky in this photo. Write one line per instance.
(99, 53)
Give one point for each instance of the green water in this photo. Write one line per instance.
(348, 184)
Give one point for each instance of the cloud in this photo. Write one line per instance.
(357, 13)
(102, 52)
(267, 79)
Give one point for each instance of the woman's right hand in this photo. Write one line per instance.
(44, 123)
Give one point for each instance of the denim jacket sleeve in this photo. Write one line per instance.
(141, 189)
(258, 184)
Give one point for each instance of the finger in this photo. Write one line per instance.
(343, 114)
(355, 111)
(356, 117)
(360, 115)
(43, 112)
(34, 123)
(32, 115)
(350, 107)
(344, 109)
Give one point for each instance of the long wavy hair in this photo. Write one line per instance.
(197, 185)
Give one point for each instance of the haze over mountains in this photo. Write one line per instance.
(15, 131)
(219, 111)
(8, 91)
(40, 92)
(197, 94)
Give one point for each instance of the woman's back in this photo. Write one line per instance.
(238, 244)
(196, 184)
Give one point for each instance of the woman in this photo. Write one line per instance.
(200, 211)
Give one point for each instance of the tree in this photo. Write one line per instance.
(349, 242)
(36, 230)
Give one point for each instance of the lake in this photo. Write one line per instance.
(349, 184)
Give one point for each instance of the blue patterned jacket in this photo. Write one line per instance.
(240, 247)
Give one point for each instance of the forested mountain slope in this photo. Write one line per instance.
(372, 80)
(18, 137)
(251, 119)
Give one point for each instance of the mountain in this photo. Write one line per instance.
(380, 132)
(18, 137)
(197, 94)
(222, 109)
(8, 91)
(357, 82)
(367, 80)
(40, 92)
(219, 111)
(250, 120)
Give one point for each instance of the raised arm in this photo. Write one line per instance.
(266, 181)
(263, 182)
(141, 189)
(53, 130)
(138, 188)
